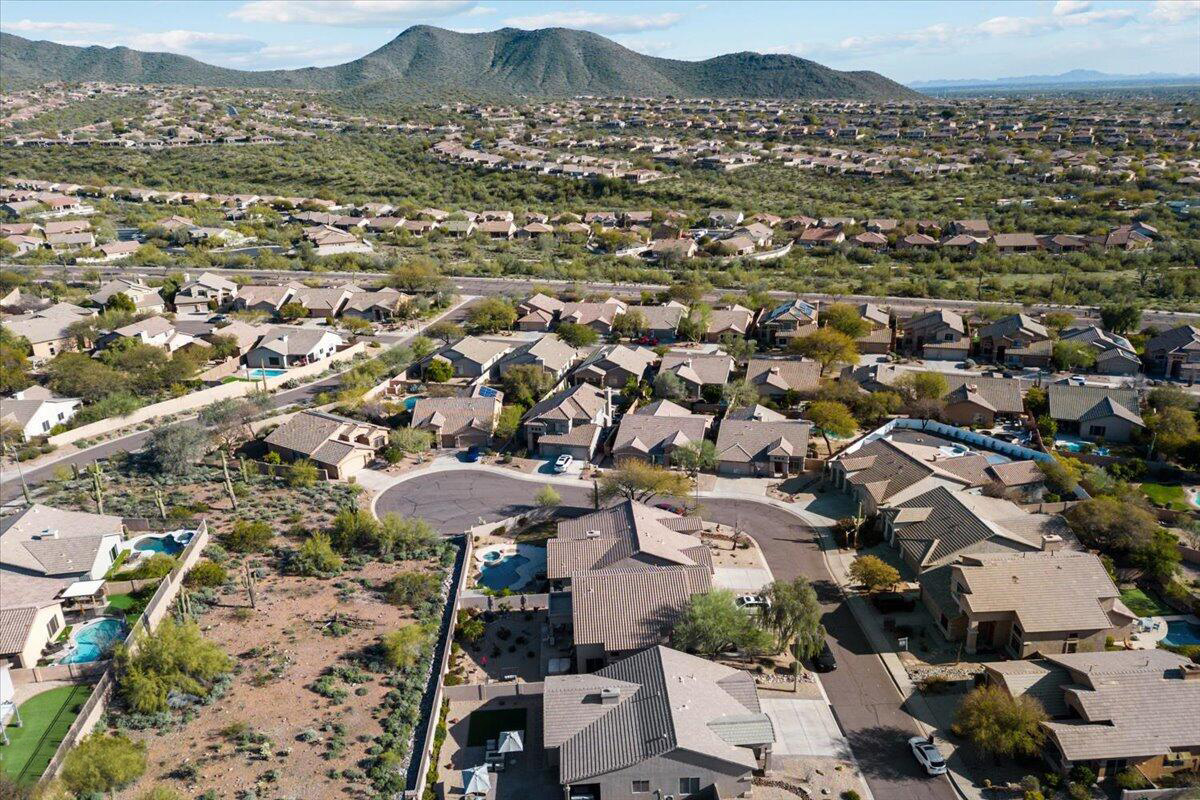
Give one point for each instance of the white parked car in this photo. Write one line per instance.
(563, 463)
(752, 601)
(927, 755)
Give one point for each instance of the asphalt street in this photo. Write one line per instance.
(865, 701)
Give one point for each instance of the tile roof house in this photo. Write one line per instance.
(1037, 602)
(935, 335)
(1112, 711)
(662, 322)
(653, 437)
(1115, 355)
(762, 448)
(289, 347)
(46, 329)
(35, 411)
(614, 366)
(268, 299)
(538, 312)
(548, 352)
(1095, 412)
(473, 357)
(732, 320)
(206, 290)
(883, 472)
(1175, 353)
(321, 302)
(786, 321)
(144, 297)
(597, 316)
(458, 421)
(153, 331)
(1013, 339)
(568, 422)
(339, 445)
(697, 370)
(377, 306)
(775, 377)
(979, 401)
(660, 722)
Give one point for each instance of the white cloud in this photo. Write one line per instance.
(480, 11)
(1174, 11)
(649, 47)
(1065, 7)
(595, 21)
(1009, 26)
(52, 28)
(194, 42)
(349, 13)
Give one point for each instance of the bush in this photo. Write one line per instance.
(248, 537)
(160, 793)
(316, 558)
(206, 574)
(850, 794)
(176, 657)
(1082, 774)
(1132, 779)
(102, 764)
(302, 473)
(403, 648)
(413, 589)
(156, 566)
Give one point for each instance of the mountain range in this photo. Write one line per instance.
(426, 62)
(1073, 78)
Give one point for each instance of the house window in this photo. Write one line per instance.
(689, 786)
(1071, 645)
(52, 626)
(1096, 430)
(641, 787)
(1014, 642)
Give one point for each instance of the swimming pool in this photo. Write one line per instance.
(509, 566)
(94, 640)
(158, 544)
(504, 573)
(410, 402)
(1181, 632)
(1079, 447)
(259, 374)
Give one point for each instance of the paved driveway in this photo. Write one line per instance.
(864, 699)
(805, 727)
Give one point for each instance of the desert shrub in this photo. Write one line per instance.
(207, 574)
(176, 657)
(413, 589)
(404, 647)
(102, 764)
(316, 558)
(248, 536)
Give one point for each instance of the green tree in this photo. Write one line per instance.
(438, 371)
(228, 420)
(1000, 724)
(316, 557)
(873, 573)
(175, 449)
(1072, 355)
(794, 614)
(926, 385)
(547, 497)
(120, 302)
(845, 318)
(290, 312)
(831, 417)
(630, 324)
(669, 386)
(448, 332)
(739, 394)
(80, 375)
(577, 335)
(1120, 317)
(403, 648)
(526, 384)
(695, 456)
(413, 589)
(249, 536)
(302, 473)
(14, 362)
(1057, 321)
(826, 346)
(223, 347)
(1173, 427)
(634, 479)
(418, 275)
(509, 421)
(712, 624)
(492, 315)
(176, 657)
(102, 764)
(739, 348)
(411, 440)
(206, 574)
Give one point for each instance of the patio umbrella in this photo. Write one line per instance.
(511, 742)
(476, 780)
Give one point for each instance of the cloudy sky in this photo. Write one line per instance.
(904, 40)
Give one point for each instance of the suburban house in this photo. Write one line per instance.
(473, 357)
(1017, 340)
(731, 320)
(1095, 412)
(1175, 353)
(46, 329)
(659, 723)
(936, 335)
(1112, 711)
(378, 306)
(43, 552)
(597, 316)
(980, 401)
(265, 299)
(339, 445)
(290, 347)
(762, 448)
(153, 331)
(1115, 355)
(1039, 602)
(608, 558)
(322, 303)
(144, 297)
(204, 292)
(697, 370)
(35, 411)
(775, 377)
(878, 338)
(538, 312)
(550, 353)
(458, 421)
(568, 422)
(653, 437)
(613, 367)
(327, 240)
(662, 322)
(787, 321)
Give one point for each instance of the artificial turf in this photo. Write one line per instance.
(47, 717)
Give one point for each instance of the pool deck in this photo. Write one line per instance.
(1151, 639)
(525, 573)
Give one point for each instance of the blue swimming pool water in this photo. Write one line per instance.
(1077, 447)
(409, 402)
(93, 642)
(159, 544)
(502, 574)
(259, 374)
(1180, 632)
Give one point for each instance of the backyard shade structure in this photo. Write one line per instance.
(511, 742)
(476, 780)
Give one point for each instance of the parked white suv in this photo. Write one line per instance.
(928, 756)
(563, 463)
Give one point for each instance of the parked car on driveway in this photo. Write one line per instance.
(473, 454)
(563, 463)
(752, 601)
(927, 755)
(892, 602)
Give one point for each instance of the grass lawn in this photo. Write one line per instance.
(1144, 605)
(486, 725)
(1172, 497)
(47, 718)
(119, 602)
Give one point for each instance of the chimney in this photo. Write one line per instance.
(1191, 672)
(609, 695)
(1052, 543)
(608, 411)
(49, 533)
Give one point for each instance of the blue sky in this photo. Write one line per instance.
(903, 40)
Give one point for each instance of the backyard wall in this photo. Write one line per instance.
(472, 692)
